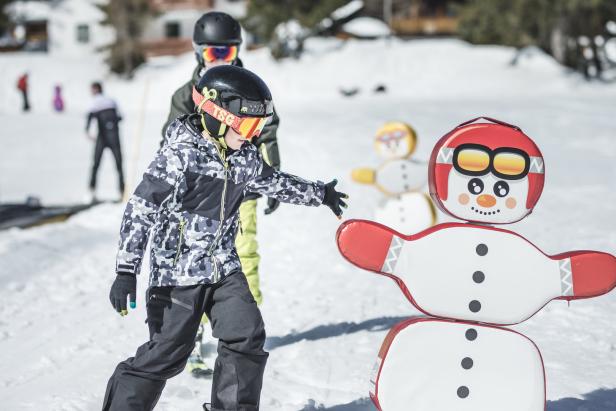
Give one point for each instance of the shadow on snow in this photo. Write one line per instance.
(334, 330)
(598, 400)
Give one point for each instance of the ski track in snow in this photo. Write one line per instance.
(60, 339)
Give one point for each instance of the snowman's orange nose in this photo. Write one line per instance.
(486, 200)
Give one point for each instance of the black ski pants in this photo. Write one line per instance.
(111, 141)
(174, 314)
(26, 105)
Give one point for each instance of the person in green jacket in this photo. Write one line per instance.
(216, 40)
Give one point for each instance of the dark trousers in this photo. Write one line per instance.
(174, 314)
(112, 142)
(26, 105)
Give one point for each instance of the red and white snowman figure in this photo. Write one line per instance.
(460, 357)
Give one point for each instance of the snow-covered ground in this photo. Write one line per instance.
(59, 337)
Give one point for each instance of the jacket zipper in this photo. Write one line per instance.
(222, 218)
(180, 241)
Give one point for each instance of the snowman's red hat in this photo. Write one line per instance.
(494, 137)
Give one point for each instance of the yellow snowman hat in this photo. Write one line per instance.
(398, 132)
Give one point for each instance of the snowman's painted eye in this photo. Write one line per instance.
(475, 186)
(501, 188)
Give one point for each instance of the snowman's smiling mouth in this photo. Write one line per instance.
(485, 212)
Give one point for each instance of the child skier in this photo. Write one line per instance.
(189, 197)
(217, 38)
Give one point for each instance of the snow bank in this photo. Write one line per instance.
(367, 27)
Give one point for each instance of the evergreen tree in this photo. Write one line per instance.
(264, 15)
(129, 18)
(5, 22)
(552, 25)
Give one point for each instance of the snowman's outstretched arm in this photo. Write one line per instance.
(475, 273)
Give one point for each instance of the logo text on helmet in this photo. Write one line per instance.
(223, 115)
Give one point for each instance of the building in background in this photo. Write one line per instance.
(73, 27)
(170, 33)
(417, 17)
(66, 27)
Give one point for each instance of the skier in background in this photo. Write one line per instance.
(190, 198)
(216, 41)
(22, 86)
(105, 111)
(58, 101)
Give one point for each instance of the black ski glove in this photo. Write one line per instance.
(123, 286)
(333, 198)
(272, 205)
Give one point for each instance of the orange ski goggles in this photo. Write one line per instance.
(247, 127)
(505, 162)
(224, 53)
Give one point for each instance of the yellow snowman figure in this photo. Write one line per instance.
(402, 179)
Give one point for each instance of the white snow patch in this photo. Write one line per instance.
(367, 27)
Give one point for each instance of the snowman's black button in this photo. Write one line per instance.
(481, 249)
(474, 306)
(467, 363)
(471, 334)
(463, 392)
(478, 277)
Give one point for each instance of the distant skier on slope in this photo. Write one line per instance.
(216, 40)
(22, 86)
(190, 197)
(58, 100)
(105, 111)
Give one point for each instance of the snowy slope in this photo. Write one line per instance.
(60, 339)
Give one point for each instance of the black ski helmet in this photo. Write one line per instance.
(217, 29)
(235, 89)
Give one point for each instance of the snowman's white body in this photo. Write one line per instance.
(399, 176)
(435, 365)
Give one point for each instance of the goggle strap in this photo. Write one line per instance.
(206, 105)
(200, 99)
(490, 119)
(210, 107)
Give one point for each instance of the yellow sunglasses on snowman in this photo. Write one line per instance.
(506, 162)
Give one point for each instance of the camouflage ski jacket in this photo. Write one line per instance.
(188, 202)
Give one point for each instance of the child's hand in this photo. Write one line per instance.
(333, 198)
(125, 285)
